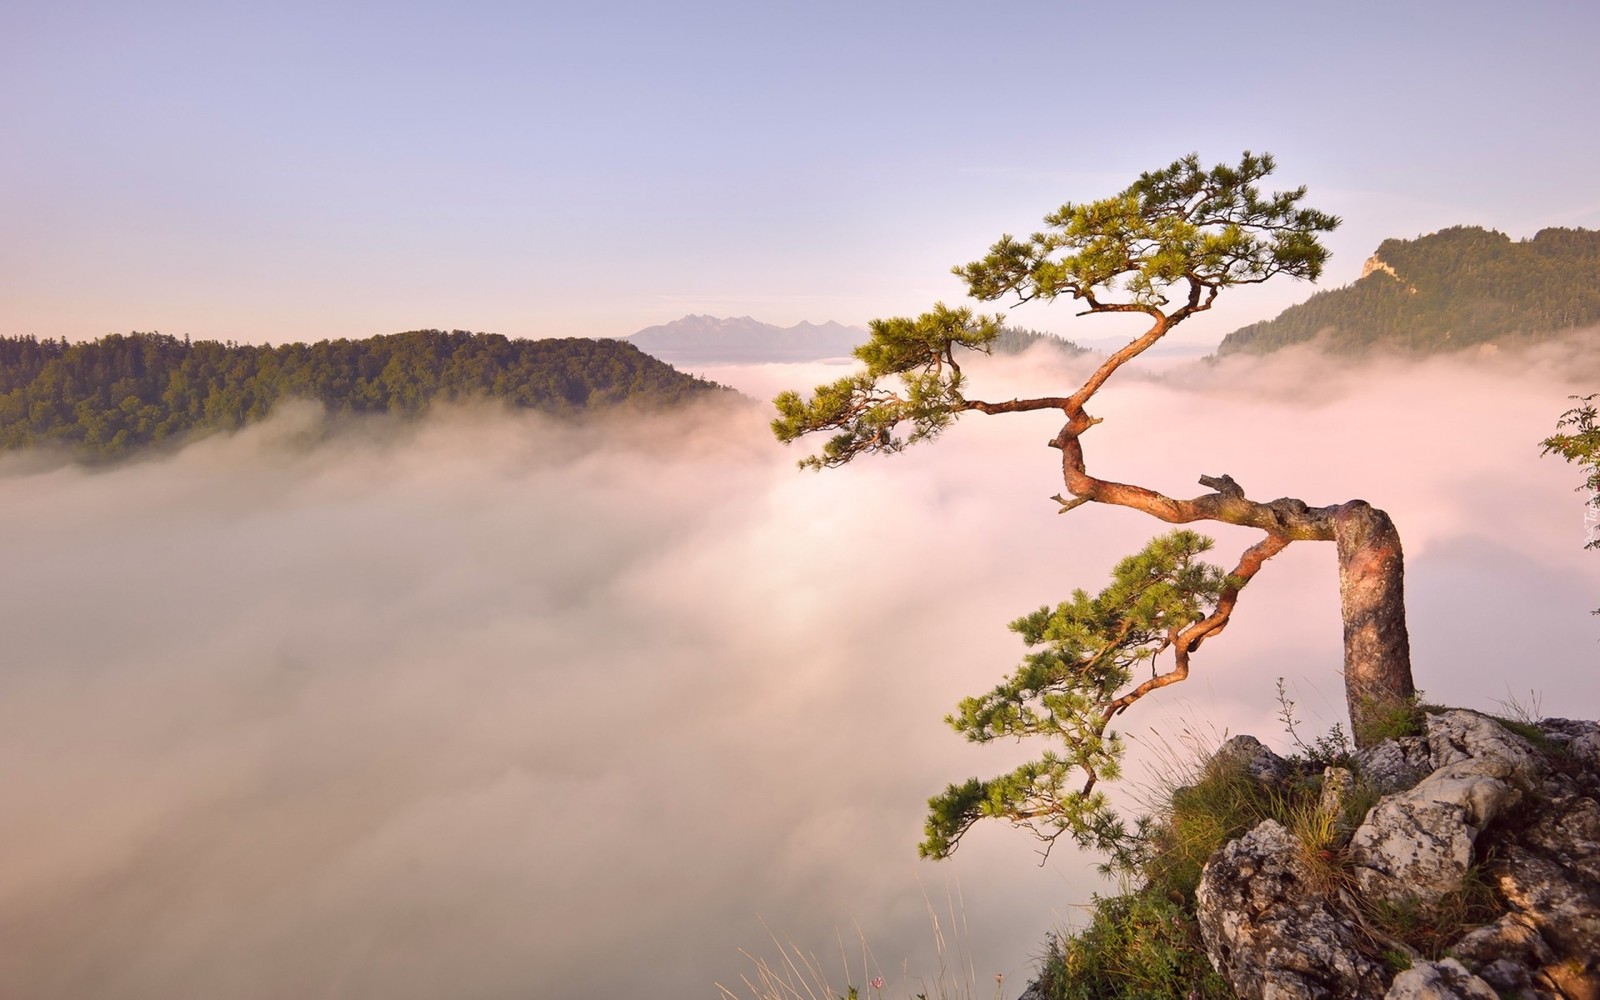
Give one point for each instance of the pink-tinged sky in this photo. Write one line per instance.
(293, 170)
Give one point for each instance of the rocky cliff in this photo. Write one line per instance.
(1484, 834)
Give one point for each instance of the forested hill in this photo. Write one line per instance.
(1452, 289)
(106, 397)
(1015, 340)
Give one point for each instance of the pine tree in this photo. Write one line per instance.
(1164, 248)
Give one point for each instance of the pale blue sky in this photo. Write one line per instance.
(295, 170)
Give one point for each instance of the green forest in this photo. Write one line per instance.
(1456, 288)
(1016, 339)
(106, 397)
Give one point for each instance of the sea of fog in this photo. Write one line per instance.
(490, 706)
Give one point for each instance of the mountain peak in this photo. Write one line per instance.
(705, 339)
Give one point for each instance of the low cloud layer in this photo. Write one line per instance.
(494, 707)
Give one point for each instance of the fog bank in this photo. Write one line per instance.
(489, 706)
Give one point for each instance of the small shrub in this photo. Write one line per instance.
(1392, 720)
(1321, 835)
(1138, 946)
(1397, 960)
(1223, 803)
(1331, 749)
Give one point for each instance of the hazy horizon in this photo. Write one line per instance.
(311, 170)
(492, 706)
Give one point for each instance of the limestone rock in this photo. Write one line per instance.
(1471, 799)
(1571, 981)
(1338, 784)
(1270, 934)
(1394, 765)
(1509, 955)
(1563, 906)
(1254, 758)
(1446, 980)
(1534, 820)
(1568, 833)
(1459, 735)
(1420, 842)
(1512, 938)
(1580, 739)
(1586, 747)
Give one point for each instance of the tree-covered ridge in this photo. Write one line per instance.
(1455, 288)
(105, 397)
(1016, 339)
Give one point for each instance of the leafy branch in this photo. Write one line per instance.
(1079, 677)
(865, 409)
(1580, 445)
(1180, 231)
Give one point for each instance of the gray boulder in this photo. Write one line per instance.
(1419, 843)
(1252, 757)
(1395, 765)
(1458, 735)
(1506, 953)
(1270, 933)
(1446, 980)
(1581, 740)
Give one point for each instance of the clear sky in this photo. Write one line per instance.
(297, 170)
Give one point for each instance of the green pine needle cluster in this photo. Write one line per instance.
(1085, 652)
(1579, 441)
(1184, 231)
(920, 355)
(1213, 228)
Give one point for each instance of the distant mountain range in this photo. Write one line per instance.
(741, 340)
(1459, 287)
(710, 340)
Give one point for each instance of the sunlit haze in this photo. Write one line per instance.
(486, 706)
(492, 705)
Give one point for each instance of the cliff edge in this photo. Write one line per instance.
(1500, 827)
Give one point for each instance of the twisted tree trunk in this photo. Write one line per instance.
(1377, 649)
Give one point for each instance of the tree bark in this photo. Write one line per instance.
(1379, 691)
(1377, 648)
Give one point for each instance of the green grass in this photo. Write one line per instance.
(1430, 927)
(1393, 720)
(1223, 803)
(1138, 946)
(1144, 944)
